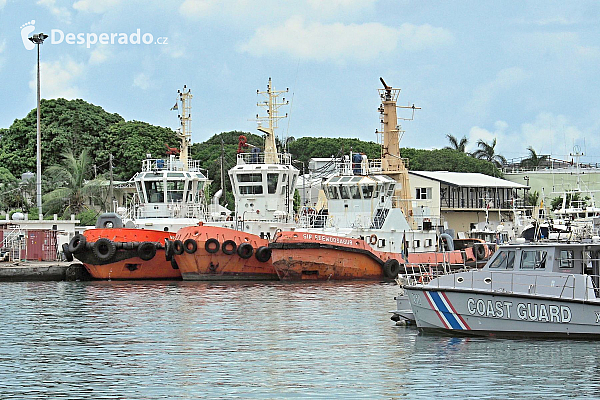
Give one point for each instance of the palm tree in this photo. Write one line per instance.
(487, 151)
(533, 160)
(455, 144)
(73, 190)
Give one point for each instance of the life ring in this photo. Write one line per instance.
(391, 268)
(66, 252)
(479, 251)
(373, 240)
(245, 250)
(77, 244)
(190, 246)
(146, 251)
(104, 249)
(168, 250)
(229, 247)
(178, 247)
(263, 254)
(212, 245)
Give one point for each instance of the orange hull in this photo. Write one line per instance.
(212, 262)
(306, 256)
(126, 263)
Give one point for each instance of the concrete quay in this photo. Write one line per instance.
(27, 271)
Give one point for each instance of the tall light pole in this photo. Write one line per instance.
(38, 39)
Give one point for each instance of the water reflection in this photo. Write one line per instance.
(150, 340)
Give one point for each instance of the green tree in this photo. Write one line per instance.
(455, 144)
(446, 160)
(532, 198)
(572, 200)
(306, 148)
(487, 151)
(533, 161)
(71, 196)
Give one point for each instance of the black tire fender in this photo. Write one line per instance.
(77, 244)
(190, 246)
(66, 252)
(263, 254)
(245, 250)
(391, 268)
(168, 250)
(178, 247)
(146, 251)
(229, 247)
(212, 245)
(104, 249)
(479, 251)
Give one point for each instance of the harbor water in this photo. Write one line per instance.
(186, 340)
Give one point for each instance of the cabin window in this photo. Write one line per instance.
(344, 193)
(504, 260)
(175, 190)
(249, 177)
(416, 243)
(566, 259)
(354, 192)
(424, 193)
(272, 183)
(246, 190)
(284, 182)
(154, 191)
(377, 190)
(533, 259)
(367, 191)
(333, 193)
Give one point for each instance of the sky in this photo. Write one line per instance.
(525, 73)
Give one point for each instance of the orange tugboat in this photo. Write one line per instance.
(263, 185)
(169, 196)
(369, 231)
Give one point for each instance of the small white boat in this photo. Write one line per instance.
(538, 289)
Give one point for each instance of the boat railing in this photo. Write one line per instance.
(172, 164)
(264, 158)
(561, 286)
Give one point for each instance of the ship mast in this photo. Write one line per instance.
(391, 162)
(185, 131)
(272, 106)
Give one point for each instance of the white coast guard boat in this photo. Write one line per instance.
(539, 289)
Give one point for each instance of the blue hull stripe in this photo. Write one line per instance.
(450, 317)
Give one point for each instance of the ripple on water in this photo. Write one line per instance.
(180, 340)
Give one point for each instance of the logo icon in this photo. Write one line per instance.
(26, 29)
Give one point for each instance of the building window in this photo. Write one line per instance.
(424, 194)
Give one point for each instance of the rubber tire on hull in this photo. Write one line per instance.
(229, 247)
(212, 245)
(77, 244)
(174, 264)
(263, 254)
(168, 250)
(104, 249)
(391, 268)
(190, 246)
(479, 251)
(146, 251)
(178, 247)
(245, 250)
(67, 253)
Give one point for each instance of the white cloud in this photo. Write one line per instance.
(484, 94)
(58, 79)
(95, 6)
(142, 80)
(62, 13)
(100, 54)
(547, 134)
(2, 4)
(197, 8)
(331, 7)
(339, 42)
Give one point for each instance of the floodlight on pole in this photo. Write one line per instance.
(38, 39)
